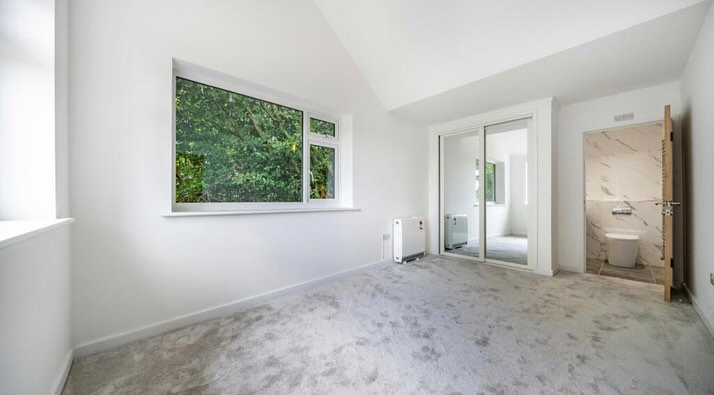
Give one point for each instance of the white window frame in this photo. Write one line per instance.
(488, 202)
(321, 140)
(219, 80)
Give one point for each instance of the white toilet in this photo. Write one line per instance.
(621, 249)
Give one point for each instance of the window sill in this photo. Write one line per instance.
(255, 212)
(12, 232)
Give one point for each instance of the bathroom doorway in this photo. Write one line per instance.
(623, 187)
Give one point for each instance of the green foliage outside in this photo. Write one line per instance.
(235, 148)
(322, 172)
(490, 181)
(322, 127)
(189, 177)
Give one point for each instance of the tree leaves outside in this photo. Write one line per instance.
(322, 127)
(322, 172)
(235, 148)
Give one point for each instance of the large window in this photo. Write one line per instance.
(490, 181)
(236, 151)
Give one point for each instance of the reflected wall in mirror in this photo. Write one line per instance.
(461, 186)
(507, 213)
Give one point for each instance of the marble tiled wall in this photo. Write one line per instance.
(623, 167)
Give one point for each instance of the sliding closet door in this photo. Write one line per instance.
(461, 180)
(505, 189)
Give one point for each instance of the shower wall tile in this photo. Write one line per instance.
(624, 164)
(645, 221)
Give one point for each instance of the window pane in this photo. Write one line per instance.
(322, 172)
(235, 148)
(490, 180)
(322, 127)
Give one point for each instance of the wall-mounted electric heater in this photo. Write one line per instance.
(409, 238)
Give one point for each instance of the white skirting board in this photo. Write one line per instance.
(58, 385)
(708, 321)
(224, 310)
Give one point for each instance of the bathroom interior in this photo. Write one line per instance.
(623, 183)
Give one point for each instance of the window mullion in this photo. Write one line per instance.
(305, 157)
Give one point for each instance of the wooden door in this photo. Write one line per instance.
(668, 202)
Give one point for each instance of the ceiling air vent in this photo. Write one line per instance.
(625, 117)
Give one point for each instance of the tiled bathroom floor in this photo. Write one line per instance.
(642, 273)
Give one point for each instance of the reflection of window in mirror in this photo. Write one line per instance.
(490, 181)
(499, 183)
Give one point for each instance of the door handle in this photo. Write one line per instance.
(667, 203)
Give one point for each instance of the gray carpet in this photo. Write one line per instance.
(437, 325)
(512, 249)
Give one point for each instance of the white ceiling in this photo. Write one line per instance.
(410, 50)
(646, 55)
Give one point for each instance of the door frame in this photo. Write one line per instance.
(668, 197)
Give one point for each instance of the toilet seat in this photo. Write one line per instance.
(621, 237)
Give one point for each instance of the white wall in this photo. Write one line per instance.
(460, 153)
(575, 119)
(518, 210)
(61, 130)
(27, 112)
(497, 151)
(133, 267)
(35, 313)
(698, 141)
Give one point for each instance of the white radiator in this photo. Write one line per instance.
(457, 230)
(409, 238)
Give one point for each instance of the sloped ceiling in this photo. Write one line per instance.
(646, 55)
(413, 50)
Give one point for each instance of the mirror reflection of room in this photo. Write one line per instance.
(502, 178)
(461, 178)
